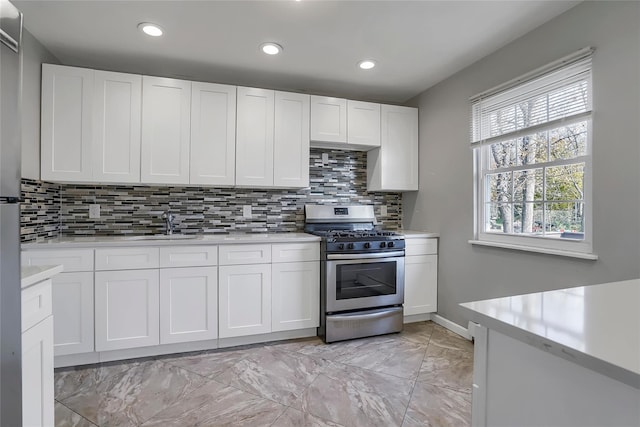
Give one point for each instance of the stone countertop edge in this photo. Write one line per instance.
(545, 344)
(414, 234)
(205, 239)
(30, 275)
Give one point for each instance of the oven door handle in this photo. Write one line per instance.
(377, 314)
(365, 256)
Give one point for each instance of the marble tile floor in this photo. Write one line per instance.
(420, 377)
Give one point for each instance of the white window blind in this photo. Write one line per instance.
(532, 143)
(561, 96)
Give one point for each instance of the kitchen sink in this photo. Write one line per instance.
(162, 237)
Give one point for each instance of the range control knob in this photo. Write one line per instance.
(367, 245)
(383, 244)
(350, 246)
(390, 245)
(341, 246)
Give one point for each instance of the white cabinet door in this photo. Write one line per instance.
(291, 142)
(73, 313)
(166, 106)
(116, 127)
(363, 123)
(213, 134)
(188, 304)
(254, 137)
(328, 119)
(420, 284)
(37, 375)
(244, 300)
(67, 96)
(127, 309)
(295, 295)
(394, 167)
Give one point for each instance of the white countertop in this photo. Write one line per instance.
(596, 326)
(176, 240)
(414, 234)
(30, 275)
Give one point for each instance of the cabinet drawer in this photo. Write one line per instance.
(245, 254)
(189, 256)
(295, 252)
(421, 247)
(71, 260)
(36, 304)
(127, 258)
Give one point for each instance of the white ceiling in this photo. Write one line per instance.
(416, 43)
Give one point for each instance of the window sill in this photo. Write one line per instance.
(539, 250)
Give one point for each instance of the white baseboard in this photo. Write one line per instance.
(158, 350)
(453, 327)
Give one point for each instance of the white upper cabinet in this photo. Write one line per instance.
(344, 124)
(90, 125)
(116, 127)
(291, 140)
(328, 119)
(394, 167)
(165, 130)
(67, 96)
(213, 134)
(254, 137)
(106, 127)
(363, 123)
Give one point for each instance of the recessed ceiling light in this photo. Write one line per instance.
(150, 29)
(271, 48)
(367, 64)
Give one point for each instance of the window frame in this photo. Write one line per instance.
(481, 168)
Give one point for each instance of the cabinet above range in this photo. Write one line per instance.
(108, 127)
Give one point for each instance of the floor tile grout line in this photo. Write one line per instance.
(415, 381)
(80, 415)
(187, 394)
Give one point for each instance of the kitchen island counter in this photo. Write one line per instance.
(30, 275)
(574, 352)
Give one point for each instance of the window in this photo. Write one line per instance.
(532, 153)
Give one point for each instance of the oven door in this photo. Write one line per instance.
(371, 280)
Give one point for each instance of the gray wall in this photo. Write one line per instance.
(34, 54)
(444, 203)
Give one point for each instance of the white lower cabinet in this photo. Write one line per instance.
(295, 295)
(421, 284)
(126, 309)
(188, 304)
(73, 311)
(245, 300)
(37, 375)
(420, 276)
(37, 356)
(148, 296)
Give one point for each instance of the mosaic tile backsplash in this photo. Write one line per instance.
(137, 209)
(40, 211)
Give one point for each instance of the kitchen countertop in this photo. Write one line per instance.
(595, 326)
(413, 234)
(175, 240)
(30, 275)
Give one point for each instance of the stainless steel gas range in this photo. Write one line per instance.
(361, 273)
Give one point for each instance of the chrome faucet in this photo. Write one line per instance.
(168, 225)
